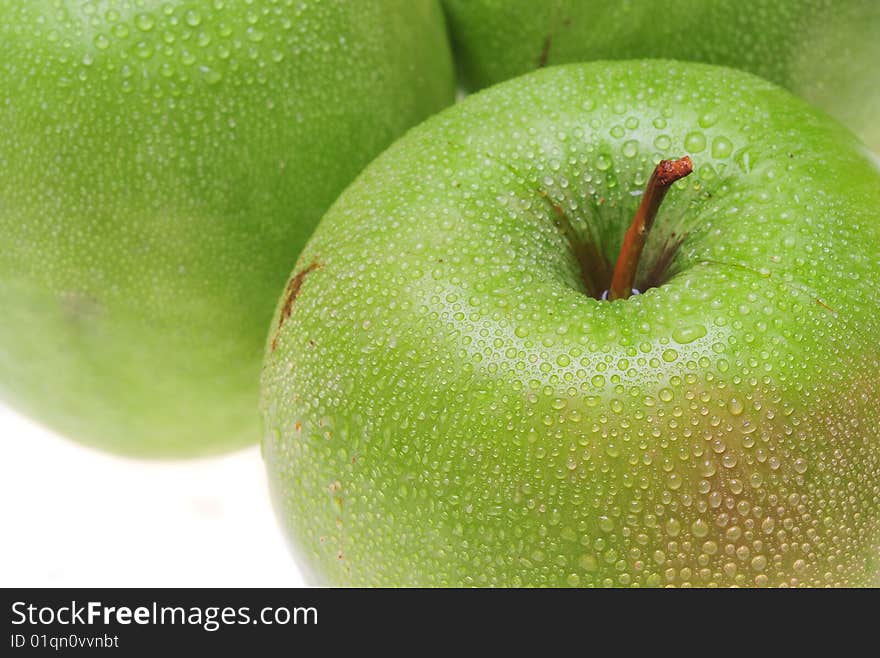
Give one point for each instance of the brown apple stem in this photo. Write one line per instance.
(665, 174)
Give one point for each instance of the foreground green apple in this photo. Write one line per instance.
(447, 401)
(161, 165)
(827, 51)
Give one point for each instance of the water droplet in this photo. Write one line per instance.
(708, 119)
(663, 142)
(695, 142)
(744, 160)
(707, 468)
(193, 18)
(688, 334)
(588, 562)
(144, 22)
(212, 76)
(721, 147)
(144, 50)
(700, 528)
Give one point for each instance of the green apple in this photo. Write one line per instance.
(827, 51)
(448, 400)
(161, 165)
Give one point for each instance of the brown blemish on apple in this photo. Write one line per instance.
(340, 526)
(825, 306)
(545, 51)
(290, 296)
(79, 307)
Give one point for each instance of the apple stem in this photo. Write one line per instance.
(665, 174)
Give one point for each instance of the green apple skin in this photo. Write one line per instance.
(826, 51)
(444, 405)
(161, 166)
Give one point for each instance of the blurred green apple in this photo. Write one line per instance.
(448, 400)
(827, 51)
(161, 165)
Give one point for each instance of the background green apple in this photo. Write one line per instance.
(161, 165)
(824, 50)
(447, 403)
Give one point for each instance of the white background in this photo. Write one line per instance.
(72, 516)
